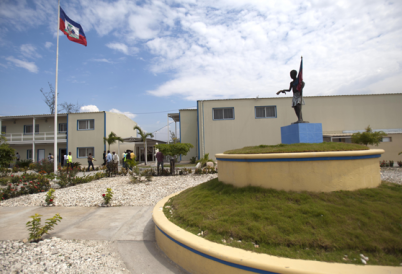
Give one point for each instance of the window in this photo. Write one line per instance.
(386, 139)
(222, 113)
(29, 154)
(265, 112)
(83, 152)
(3, 129)
(63, 127)
(86, 124)
(28, 129)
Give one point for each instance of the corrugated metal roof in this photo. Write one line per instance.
(256, 98)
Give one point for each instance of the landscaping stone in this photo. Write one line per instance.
(125, 193)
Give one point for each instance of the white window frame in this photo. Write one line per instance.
(88, 124)
(64, 125)
(265, 112)
(29, 151)
(213, 114)
(30, 133)
(86, 149)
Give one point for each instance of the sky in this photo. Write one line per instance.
(149, 58)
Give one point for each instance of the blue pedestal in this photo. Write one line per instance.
(302, 133)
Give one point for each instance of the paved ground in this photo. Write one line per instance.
(130, 228)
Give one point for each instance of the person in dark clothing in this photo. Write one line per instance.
(104, 158)
(128, 157)
(159, 158)
(90, 163)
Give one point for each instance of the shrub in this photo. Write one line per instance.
(44, 166)
(108, 196)
(36, 231)
(391, 163)
(368, 137)
(20, 186)
(197, 171)
(399, 163)
(49, 197)
(25, 163)
(193, 160)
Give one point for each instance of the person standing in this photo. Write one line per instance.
(159, 158)
(109, 160)
(104, 157)
(50, 157)
(124, 159)
(65, 158)
(90, 163)
(17, 156)
(69, 161)
(115, 158)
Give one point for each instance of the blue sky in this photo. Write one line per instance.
(161, 56)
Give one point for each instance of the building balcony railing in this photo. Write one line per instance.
(40, 137)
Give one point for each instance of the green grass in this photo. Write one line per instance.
(300, 225)
(282, 148)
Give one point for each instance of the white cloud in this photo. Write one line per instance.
(89, 108)
(29, 51)
(103, 60)
(48, 45)
(23, 64)
(123, 48)
(128, 114)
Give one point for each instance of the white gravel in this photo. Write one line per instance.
(393, 175)
(125, 193)
(60, 256)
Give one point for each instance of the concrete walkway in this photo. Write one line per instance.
(131, 228)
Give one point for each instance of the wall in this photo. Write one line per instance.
(391, 148)
(188, 131)
(336, 113)
(123, 127)
(86, 138)
(44, 126)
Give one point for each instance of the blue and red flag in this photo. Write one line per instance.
(299, 86)
(72, 29)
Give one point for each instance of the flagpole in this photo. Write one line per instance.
(55, 96)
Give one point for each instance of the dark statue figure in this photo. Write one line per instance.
(297, 100)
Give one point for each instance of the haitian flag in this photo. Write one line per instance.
(299, 85)
(72, 29)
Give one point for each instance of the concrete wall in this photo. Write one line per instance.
(391, 148)
(188, 131)
(123, 127)
(336, 113)
(86, 138)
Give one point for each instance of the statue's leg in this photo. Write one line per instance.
(298, 112)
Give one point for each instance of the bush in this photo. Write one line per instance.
(193, 160)
(25, 163)
(49, 197)
(368, 137)
(19, 185)
(44, 166)
(108, 196)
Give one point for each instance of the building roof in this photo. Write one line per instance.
(150, 141)
(43, 115)
(187, 109)
(256, 98)
(174, 116)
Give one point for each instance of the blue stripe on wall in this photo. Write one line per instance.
(302, 159)
(254, 270)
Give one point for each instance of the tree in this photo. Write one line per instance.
(49, 98)
(173, 138)
(6, 152)
(144, 137)
(368, 137)
(174, 150)
(111, 139)
(69, 108)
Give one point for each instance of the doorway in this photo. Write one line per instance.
(62, 152)
(41, 155)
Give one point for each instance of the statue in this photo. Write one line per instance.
(296, 86)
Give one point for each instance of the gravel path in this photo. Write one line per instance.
(60, 256)
(125, 193)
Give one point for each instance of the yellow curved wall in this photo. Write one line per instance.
(200, 256)
(302, 171)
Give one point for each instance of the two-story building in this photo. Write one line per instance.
(32, 136)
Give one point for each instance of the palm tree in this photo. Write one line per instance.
(144, 139)
(111, 139)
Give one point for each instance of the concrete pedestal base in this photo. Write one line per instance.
(302, 133)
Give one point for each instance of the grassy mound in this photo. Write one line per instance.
(282, 148)
(300, 225)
